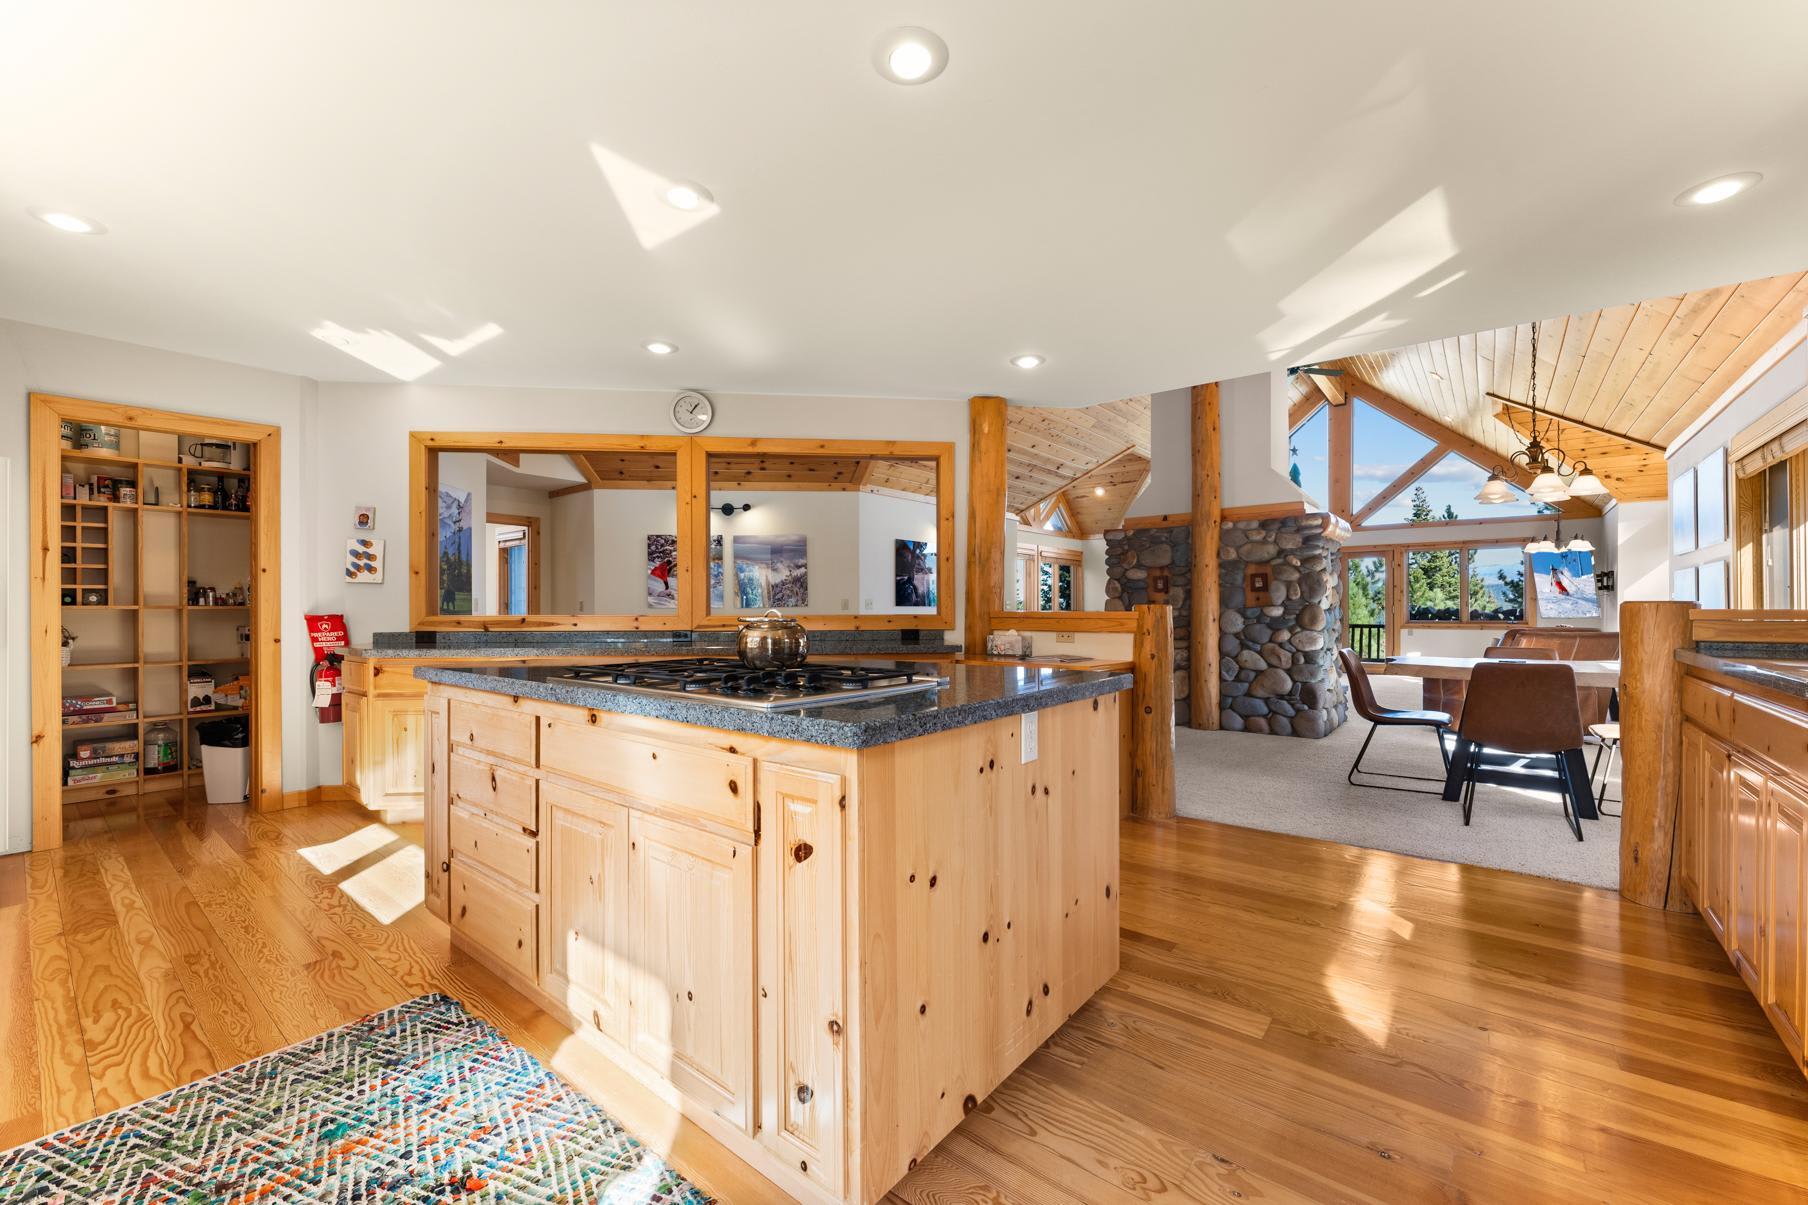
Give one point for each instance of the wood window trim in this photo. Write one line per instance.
(1394, 557)
(532, 523)
(692, 527)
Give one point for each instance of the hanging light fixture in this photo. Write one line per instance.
(1548, 466)
(1578, 544)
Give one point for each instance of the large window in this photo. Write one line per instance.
(1309, 456)
(1476, 584)
(1365, 605)
(1382, 448)
(1446, 491)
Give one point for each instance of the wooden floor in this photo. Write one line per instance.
(1294, 1021)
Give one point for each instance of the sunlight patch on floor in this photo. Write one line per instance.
(392, 886)
(335, 856)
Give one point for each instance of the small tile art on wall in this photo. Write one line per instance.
(363, 560)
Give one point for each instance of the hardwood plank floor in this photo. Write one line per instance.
(1294, 1020)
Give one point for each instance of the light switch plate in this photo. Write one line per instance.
(1030, 735)
(1064, 637)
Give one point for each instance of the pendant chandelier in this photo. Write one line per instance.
(1556, 544)
(1549, 466)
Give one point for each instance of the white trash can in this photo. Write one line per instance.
(226, 761)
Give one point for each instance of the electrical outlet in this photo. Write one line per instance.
(1031, 734)
(1064, 637)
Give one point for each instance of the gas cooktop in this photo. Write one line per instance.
(726, 680)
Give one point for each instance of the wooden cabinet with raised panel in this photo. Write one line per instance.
(435, 837)
(1707, 814)
(690, 897)
(1744, 929)
(586, 959)
(803, 1017)
(352, 755)
(1785, 994)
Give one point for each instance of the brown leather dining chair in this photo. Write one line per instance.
(1528, 652)
(1363, 698)
(1525, 709)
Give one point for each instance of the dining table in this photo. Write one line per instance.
(1505, 769)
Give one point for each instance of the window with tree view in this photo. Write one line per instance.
(1365, 603)
(1497, 585)
(1434, 585)
(1466, 585)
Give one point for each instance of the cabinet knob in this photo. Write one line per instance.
(596, 1018)
(804, 1094)
(802, 851)
(445, 867)
(461, 911)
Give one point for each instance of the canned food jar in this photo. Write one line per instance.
(101, 438)
(125, 495)
(67, 436)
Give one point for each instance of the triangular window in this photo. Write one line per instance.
(1446, 491)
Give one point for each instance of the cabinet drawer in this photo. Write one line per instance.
(689, 779)
(1771, 733)
(504, 733)
(509, 852)
(496, 918)
(1709, 706)
(501, 792)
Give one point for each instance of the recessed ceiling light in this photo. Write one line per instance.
(1720, 189)
(1098, 491)
(910, 56)
(69, 223)
(1027, 360)
(687, 196)
(660, 347)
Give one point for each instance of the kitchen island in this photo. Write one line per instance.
(824, 933)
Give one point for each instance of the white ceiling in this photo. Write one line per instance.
(1150, 193)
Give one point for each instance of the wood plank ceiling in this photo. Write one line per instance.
(1642, 372)
(1097, 456)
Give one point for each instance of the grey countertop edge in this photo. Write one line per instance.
(1754, 671)
(613, 652)
(789, 725)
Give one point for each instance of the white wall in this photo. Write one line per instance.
(885, 519)
(830, 522)
(512, 500)
(621, 521)
(1170, 489)
(1252, 419)
(34, 358)
(1636, 546)
(572, 549)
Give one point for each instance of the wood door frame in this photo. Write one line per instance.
(47, 413)
(532, 523)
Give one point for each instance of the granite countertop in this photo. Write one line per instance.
(974, 694)
(715, 644)
(1786, 677)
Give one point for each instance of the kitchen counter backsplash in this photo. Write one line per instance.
(630, 643)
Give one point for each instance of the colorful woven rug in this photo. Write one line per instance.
(421, 1102)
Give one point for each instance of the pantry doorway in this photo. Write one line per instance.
(155, 594)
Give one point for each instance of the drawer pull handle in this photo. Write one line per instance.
(461, 911)
(596, 1018)
(802, 851)
(734, 787)
(519, 942)
(445, 867)
(492, 780)
(804, 1094)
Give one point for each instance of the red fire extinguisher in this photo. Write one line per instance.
(325, 683)
(327, 636)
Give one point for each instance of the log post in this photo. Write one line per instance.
(985, 519)
(1208, 506)
(1152, 717)
(1651, 749)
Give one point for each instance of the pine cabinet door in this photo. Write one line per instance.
(690, 896)
(397, 741)
(1786, 990)
(1747, 836)
(803, 1014)
(353, 756)
(435, 816)
(584, 935)
(1716, 839)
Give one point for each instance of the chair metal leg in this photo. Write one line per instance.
(1474, 761)
(1572, 805)
(1356, 768)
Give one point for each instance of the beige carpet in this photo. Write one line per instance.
(1291, 785)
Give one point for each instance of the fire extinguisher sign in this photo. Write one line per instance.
(327, 637)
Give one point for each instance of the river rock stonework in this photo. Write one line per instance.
(1278, 664)
(1130, 557)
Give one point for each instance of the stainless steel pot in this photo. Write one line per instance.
(772, 642)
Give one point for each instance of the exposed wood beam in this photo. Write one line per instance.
(1339, 450)
(1412, 473)
(1576, 422)
(864, 473)
(1301, 410)
(582, 464)
(1332, 388)
(1208, 504)
(512, 459)
(1477, 453)
(986, 441)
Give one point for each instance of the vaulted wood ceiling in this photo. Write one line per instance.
(1079, 452)
(1641, 372)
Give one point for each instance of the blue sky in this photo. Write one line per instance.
(1383, 449)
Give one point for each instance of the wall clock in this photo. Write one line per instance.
(692, 412)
